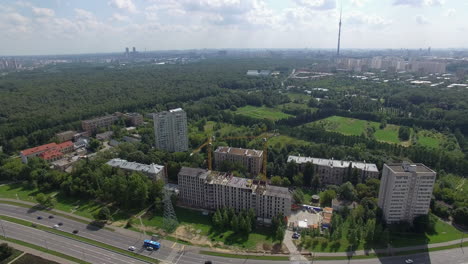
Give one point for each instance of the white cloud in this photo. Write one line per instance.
(317, 4)
(120, 18)
(371, 20)
(359, 3)
(449, 12)
(124, 4)
(83, 14)
(38, 11)
(419, 2)
(422, 20)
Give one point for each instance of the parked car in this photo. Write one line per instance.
(149, 248)
(39, 217)
(409, 261)
(131, 248)
(51, 216)
(75, 231)
(208, 262)
(56, 226)
(60, 224)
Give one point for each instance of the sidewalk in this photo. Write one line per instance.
(39, 253)
(135, 234)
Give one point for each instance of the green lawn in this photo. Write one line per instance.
(281, 141)
(201, 224)
(434, 139)
(262, 112)
(356, 127)
(83, 207)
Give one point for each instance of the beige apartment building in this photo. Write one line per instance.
(92, 125)
(214, 190)
(335, 172)
(405, 191)
(250, 158)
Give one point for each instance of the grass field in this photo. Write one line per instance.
(201, 224)
(262, 112)
(85, 208)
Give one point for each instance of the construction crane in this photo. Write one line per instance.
(265, 149)
(209, 144)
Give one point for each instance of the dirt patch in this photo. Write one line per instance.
(189, 233)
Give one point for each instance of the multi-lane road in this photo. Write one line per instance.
(170, 252)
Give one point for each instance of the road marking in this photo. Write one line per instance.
(173, 245)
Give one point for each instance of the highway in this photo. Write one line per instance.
(170, 252)
(67, 246)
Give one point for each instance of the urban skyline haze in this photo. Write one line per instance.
(69, 27)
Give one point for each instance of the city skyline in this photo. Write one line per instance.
(65, 27)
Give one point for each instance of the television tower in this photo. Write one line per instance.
(339, 34)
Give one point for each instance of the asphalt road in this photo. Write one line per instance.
(171, 252)
(65, 245)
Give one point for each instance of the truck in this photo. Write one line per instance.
(152, 244)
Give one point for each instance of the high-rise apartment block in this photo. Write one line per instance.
(405, 191)
(250, 158)
(333, 171)
(92, 125)
(170, 128)
(214, 190)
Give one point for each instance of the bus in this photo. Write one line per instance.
(152, 244)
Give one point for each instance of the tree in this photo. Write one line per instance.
(276, 180)
(347, 192)
(46, 201)
(326, 197)
(298, 179)
(235, 223)
(308, 173)
(94, 144)
(218, 219)
(404, 133)
(316, 182)
(460, 215)
(299, 196)
(291, 170)
(369, 232)
(355, 176)
(5, 251)
(424, 223)
(104, 214)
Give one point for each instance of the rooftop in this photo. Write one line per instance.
(50, 154)
(65, 144)
(240, 151)
(335, 163)
(194, 172)
(176, 110)
(277, 191)
(38, 149)
(406, 167)
(135, 166)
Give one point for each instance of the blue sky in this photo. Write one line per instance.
(86, 26)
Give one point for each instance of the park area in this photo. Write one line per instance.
(389, 134)
(262, 112)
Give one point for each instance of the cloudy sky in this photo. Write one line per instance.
(85, 26)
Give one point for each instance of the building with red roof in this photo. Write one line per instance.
(48, 152)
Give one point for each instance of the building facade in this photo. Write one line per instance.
(170, 128)
(405, 191)
(65, 136)
(135, 119)
(92, 125)
(49, 152)
(153, 171)
(214, 190)
(335, 172)
(251, 159)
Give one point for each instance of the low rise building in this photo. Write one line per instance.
(153, 171)
(104, 135)
(405, 191)
(339, 205)
(49, 152)
(251, 159)
(333, 171)
(135, 119)
(65, 136)
(92, 125)
(214, 190)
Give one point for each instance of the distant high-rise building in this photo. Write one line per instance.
(170, 129)
(134, 50)
(405, 191)
(126, 51)
(339, 35)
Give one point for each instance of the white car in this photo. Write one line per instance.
(149, 248)
(131, 248)
(409, 261)
(56, 226)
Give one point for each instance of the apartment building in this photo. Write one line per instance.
(170, 128)
(92, 125)
(214, 190)
(250, 158)
(65, 136)
(49, 152)
(335, 172)
(135, 119)
(153, 171)
(405, 191)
